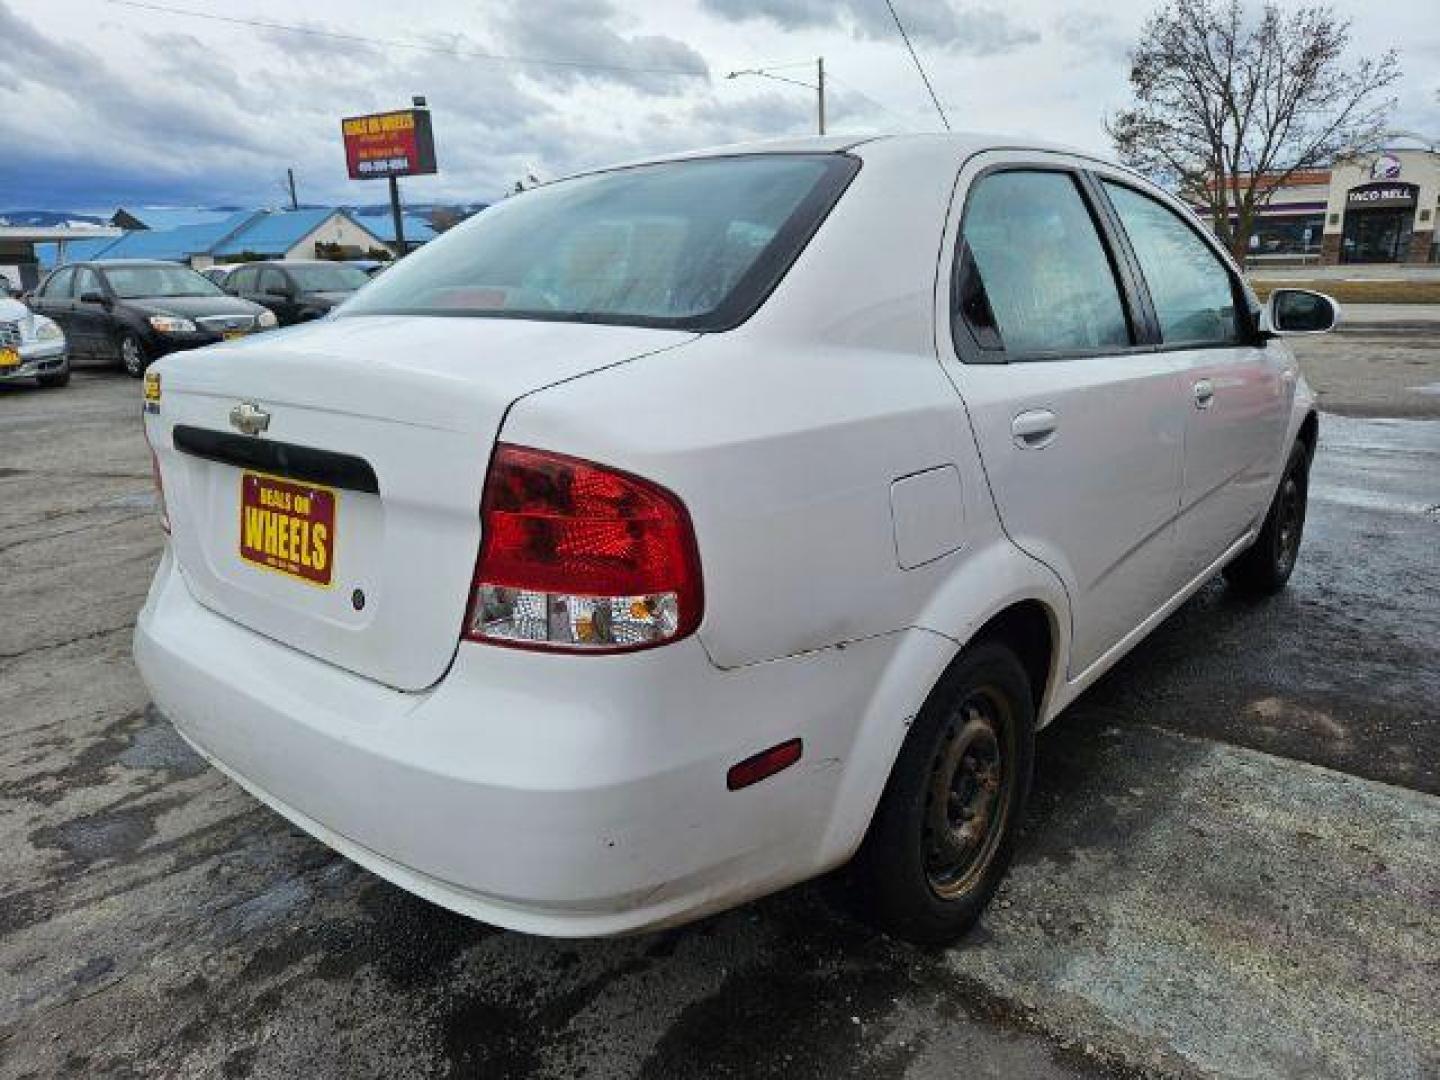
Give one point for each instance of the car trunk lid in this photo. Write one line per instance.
(347, 525)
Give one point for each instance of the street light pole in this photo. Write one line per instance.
(820, 90)
(819, 86)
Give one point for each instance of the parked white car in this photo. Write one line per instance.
(670, 534)
(31, 347)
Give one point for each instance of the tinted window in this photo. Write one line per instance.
(328, 277)
(57, 285)
(272, 280)
(692, 244)
(132, 282)
(1189, 286)
(86, 281)
(1033, 275)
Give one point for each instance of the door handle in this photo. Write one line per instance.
(1034, 429)
(1204, 394)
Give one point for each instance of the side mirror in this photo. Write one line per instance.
(1298, 311)
(93, 297)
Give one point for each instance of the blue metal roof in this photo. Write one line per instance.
(174, 244)
(275, 232)
(175, 217)
(417, 229)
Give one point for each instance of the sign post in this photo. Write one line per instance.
(390, 145)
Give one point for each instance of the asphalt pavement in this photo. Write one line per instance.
(1230, 867)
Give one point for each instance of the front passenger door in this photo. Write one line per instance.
(1237, 392)
(91, 321)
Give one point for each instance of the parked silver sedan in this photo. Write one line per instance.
(31, 347)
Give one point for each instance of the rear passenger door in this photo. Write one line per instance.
(1079, 419)
(53, 300)
(1237, 392)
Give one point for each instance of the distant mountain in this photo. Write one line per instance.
(46, 219)
(435, 213)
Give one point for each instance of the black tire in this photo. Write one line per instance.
(134, 356)
(54, 382)
(925, 881)
(1266, 565)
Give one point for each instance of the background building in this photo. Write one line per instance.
(1374, 208)
(231, 237)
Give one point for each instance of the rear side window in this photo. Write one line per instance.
(692, 244)
(1033, 275)
(271, 280)
(86, 281)
(1190, 287)
(57, 287)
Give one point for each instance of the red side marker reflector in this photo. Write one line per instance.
(766, 763)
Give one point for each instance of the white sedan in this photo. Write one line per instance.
(31, 347)
(676, 532)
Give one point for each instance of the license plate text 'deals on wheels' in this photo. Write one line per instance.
(288, 527)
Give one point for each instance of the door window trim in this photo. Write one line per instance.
(1247, 308)
(52, 283)
(966, 344)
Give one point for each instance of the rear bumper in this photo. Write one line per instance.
(550, 794)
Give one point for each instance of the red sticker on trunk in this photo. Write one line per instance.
(288, 527)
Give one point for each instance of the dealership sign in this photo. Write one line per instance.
(389, 144)
(1382, 196)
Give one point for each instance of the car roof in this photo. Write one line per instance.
(968, 142)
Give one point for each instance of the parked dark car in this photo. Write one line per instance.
(296, 290)
(138, 310)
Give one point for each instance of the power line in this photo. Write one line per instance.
(918, 66)
(395, 43)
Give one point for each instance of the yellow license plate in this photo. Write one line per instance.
(9, 358)
(288, 527)
(229, 334)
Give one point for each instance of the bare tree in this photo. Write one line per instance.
(1229, 107)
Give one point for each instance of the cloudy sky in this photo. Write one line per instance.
(104, 102)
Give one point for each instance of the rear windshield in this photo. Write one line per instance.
(134, 282)
(687, 244)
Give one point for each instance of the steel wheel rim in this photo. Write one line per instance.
(130, 354)
(1290, 519)
(967, 802)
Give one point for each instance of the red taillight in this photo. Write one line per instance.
(160, 492)
(581, 557)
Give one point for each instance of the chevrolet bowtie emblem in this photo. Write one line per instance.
(249, 418)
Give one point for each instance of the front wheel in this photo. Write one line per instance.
(134, 357)
(945, 828)
(1267, 564)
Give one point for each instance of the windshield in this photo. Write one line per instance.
(132, 282)
(689, 244)
(327, 277)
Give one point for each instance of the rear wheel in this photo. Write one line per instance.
(1267, 564)
(134, 357)
(944, 831)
